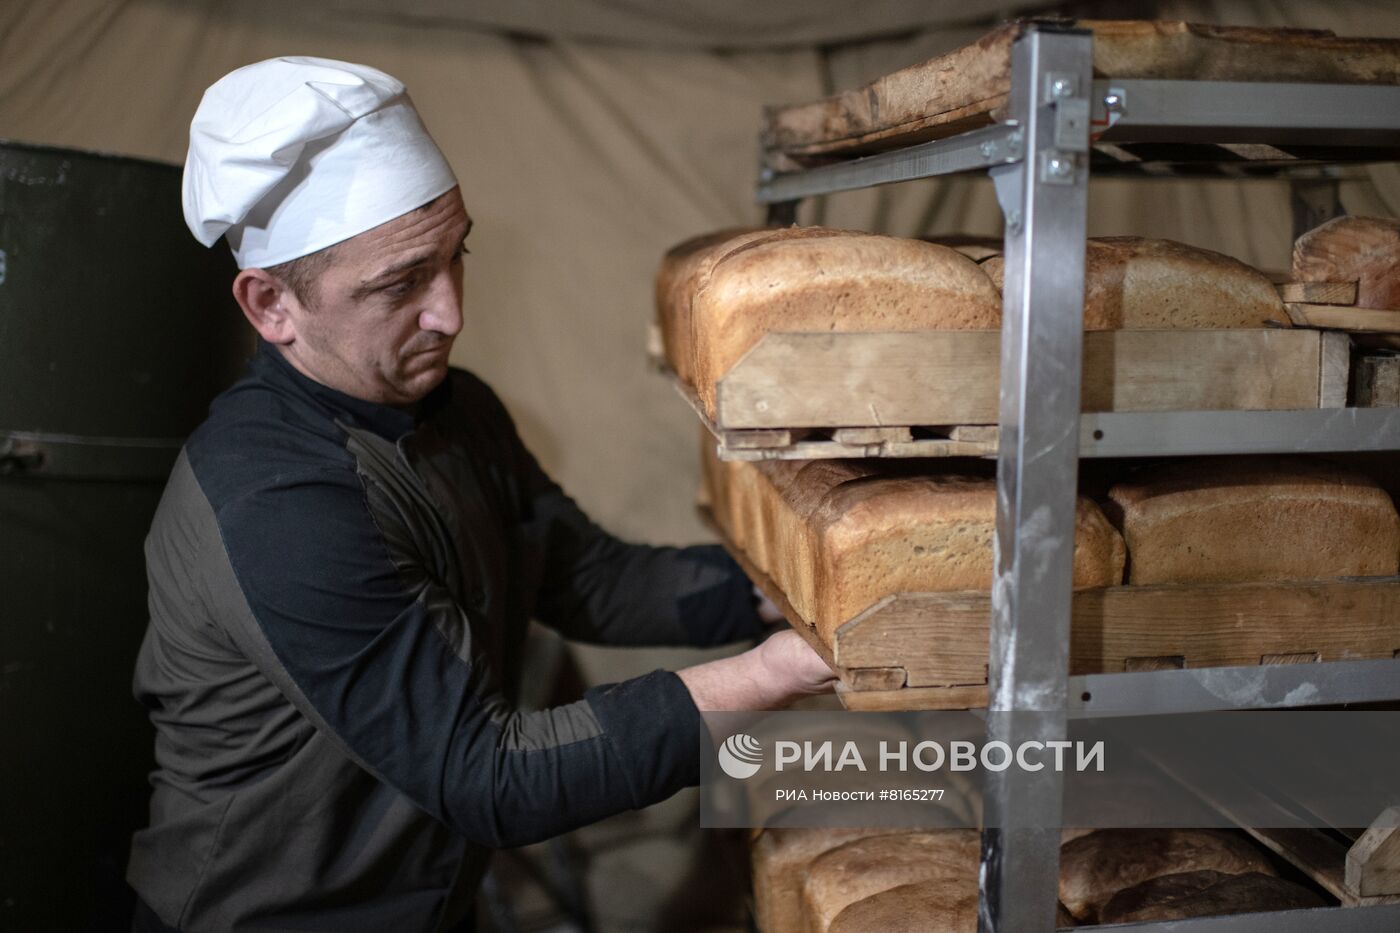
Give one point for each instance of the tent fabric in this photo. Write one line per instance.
(581, 162)
(685, 23)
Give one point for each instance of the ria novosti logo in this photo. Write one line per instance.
(741, 756)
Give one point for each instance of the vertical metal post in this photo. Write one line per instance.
(1044, 198)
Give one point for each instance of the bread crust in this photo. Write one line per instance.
(836, 536)
(1137, 283)
(1364, 250)
(1205, 894)
(1236, 519)
(1095, 867)
(856, 870)
(840, 282)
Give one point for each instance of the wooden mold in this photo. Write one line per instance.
(929, 650)
(935, 393)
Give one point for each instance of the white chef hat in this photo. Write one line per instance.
(290, 155)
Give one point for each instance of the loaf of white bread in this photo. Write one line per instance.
(1234, 519)
(719, 294)
(715, 300)
(839, 535)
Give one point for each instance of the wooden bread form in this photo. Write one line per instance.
(1205, 894)
(966, 87)
(854, 871)
(838, 535)
(718, 296)
(1136, 283)
(1095, 867)
(1364, 250)
(1235, 519)
(841, 281)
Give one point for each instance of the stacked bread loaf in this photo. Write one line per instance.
(1123, 875)
(882, 881)
(718, 295)
(837, 536)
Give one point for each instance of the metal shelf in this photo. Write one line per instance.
(1384, 919)
(1198, 433)
(1272, 113)
(1236, 113)
(1272, 686)
(1039, 159)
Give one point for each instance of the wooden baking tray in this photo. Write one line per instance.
(936, 393)
(929, 650)
(968, 87)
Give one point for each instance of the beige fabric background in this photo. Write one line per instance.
(581, 161)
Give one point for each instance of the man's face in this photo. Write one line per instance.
(381, 317)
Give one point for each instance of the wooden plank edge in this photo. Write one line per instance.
(913, 698)
(1336, 317)
(1318, 293)
(1373, 861)
(1334, 376)
(854, 648)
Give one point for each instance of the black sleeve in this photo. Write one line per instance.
(389, 670)
(604, 590)
(598, 588)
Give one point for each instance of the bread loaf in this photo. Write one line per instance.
(780, 858)
(1095, 867)
(1205, 894)
(840, 281)
(922, 907)
(1364, 250)
(681, 267)
(1134, 283)
(686, 268)
(856, 870)
(839, 535)
(1223, 520)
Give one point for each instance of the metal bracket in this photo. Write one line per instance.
(1007, 180)
(1069, 138)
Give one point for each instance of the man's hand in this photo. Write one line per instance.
(780, 670)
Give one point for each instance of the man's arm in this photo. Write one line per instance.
(600, 589)
(383, 661)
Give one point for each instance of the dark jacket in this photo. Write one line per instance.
(339, 591)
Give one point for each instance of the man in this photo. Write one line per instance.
(349, 549)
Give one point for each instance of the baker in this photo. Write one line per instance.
(349, 548)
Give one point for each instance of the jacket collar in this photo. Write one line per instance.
(389, 421)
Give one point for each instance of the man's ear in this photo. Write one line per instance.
(267, 303)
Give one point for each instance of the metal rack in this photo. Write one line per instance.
(1040, 160)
